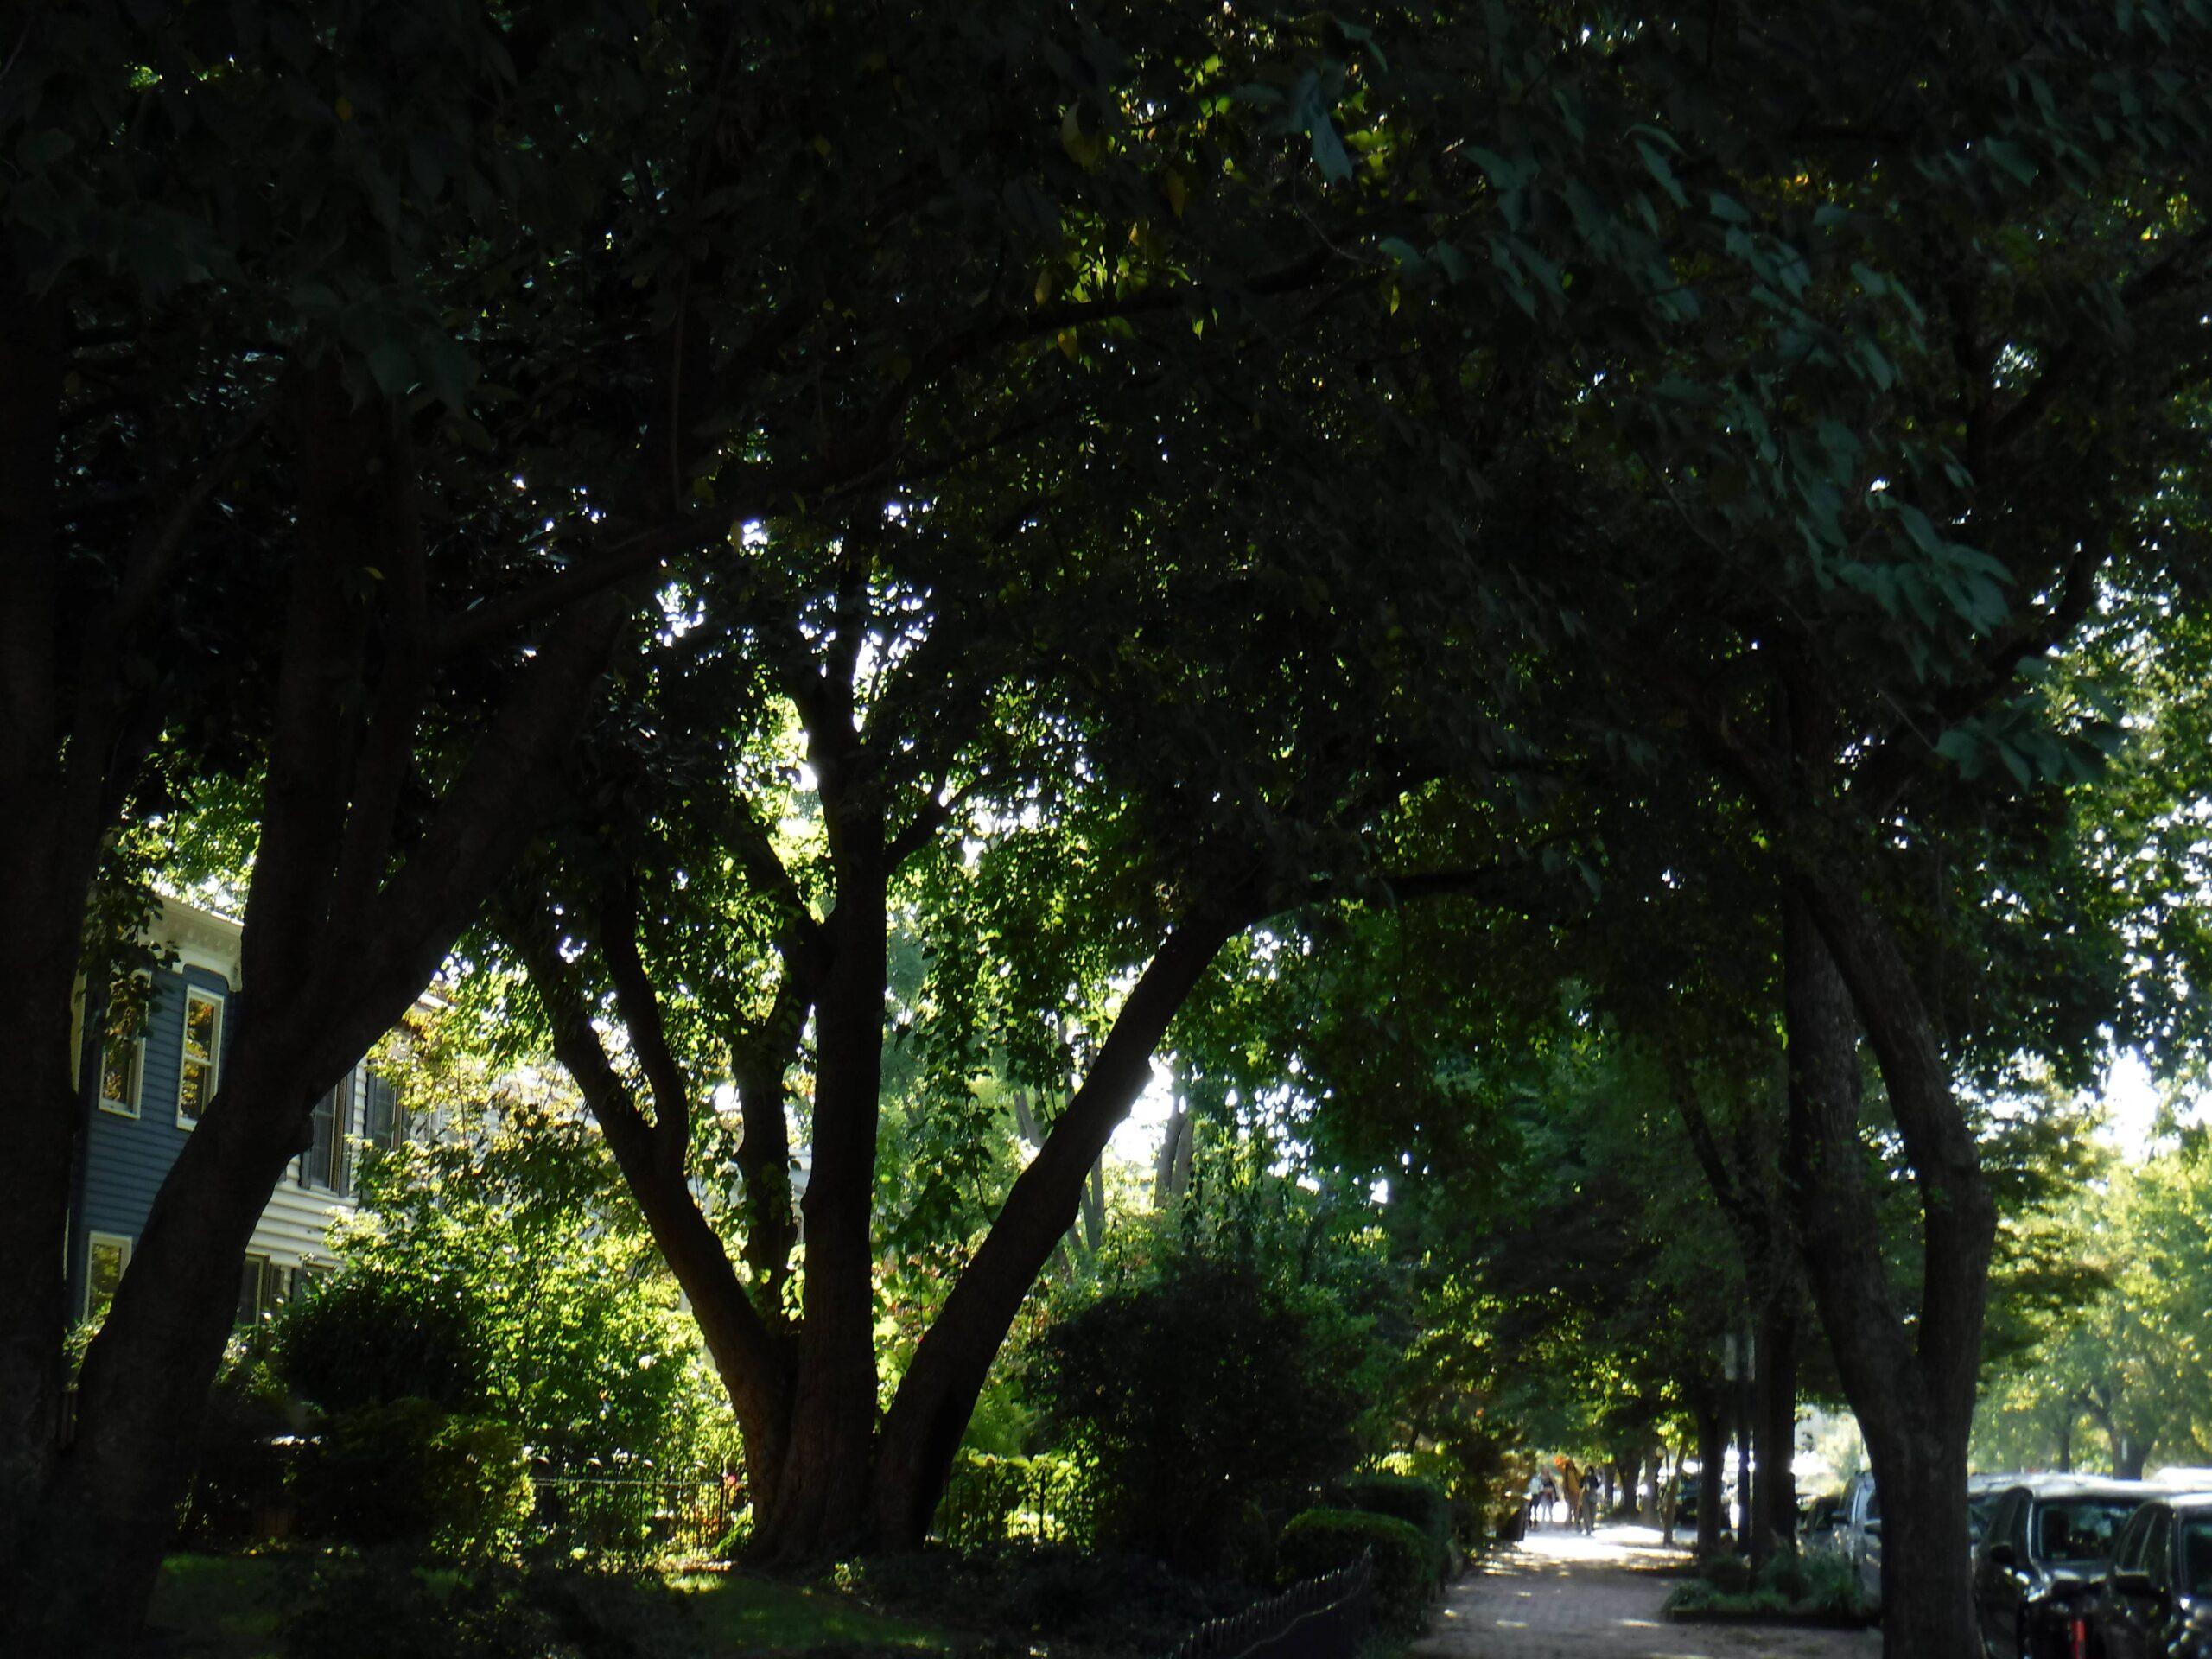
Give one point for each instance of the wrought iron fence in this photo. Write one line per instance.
(1017, 1500)
(1326, 1618)
(244, 1492)
(634, 1514)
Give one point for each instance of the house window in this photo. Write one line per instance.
(261, 1286)
(108, 1254)
(123, 1062)
(203, 1050)
(382, 1128)
(327, 1163)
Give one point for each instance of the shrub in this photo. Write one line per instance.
(1201, 1395)
(411, 1472)
(1322, 1541)
(1419, 1503)
(1729, 1575)
(1049, 1498)
(364, 1338)
(1787, 1584)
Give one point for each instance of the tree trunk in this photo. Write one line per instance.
(1746, 1539)
(1911, 1382)
(1774, 1429)
(90, 1553)
(2129, 1454)
(47, 854)
(938, 1395)
(1711, 1467)
(818, 1503)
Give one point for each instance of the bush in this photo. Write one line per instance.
(1322, 1541)
(1203, 1396)
(412, 1472)
(1050, 1498)
(1827, 1584)
(1419, 1503)
(365, 1338)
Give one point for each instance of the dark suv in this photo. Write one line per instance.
(2041, 1558)
(2156, 1599)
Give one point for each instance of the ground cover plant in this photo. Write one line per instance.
(1811, 1587)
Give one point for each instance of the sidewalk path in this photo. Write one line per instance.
(1560, 1595)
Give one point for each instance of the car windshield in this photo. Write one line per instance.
(2196, 1554)
(2082, 1528)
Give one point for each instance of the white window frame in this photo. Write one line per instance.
(185, 1062)
(93, 1241)
(134, 1067)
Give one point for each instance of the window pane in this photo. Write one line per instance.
(203, 1038)
(251, 1275)
(383, 1113)
(2196, 1554)
(109, 1258)
(2083, 1530)
(199, 1027)
(120, 1071)
(319, 1141)
(192, 1090)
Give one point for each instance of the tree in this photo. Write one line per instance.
(1876, 484)
(360, 379)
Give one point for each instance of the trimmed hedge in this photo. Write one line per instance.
(1322, 1541)
(1419, 1503)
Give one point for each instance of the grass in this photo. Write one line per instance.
(760, 1615)
(234, 1606)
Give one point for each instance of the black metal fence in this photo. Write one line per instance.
(634, 1514)
(1017, 1500)
(1326, 1618)
(246, 1492)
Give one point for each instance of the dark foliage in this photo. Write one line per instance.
(365, 1340)
(1322, 1541)
(1210, 1401)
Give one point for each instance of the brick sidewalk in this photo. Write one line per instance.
(1560, 1595)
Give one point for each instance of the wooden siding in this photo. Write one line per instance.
(127, 1159)
(291, 1229)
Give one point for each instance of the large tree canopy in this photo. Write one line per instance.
(1154, 471)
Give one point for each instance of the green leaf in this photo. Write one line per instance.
(1655, 163)
(2010, 156)
(1329, 151)
(393, 365)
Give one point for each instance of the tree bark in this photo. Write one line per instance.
(818, 1503)
(1774, 1428)
(1712, 1470)
(1914, 1401)
(336, 950)
(751, 1354)
(938, 1395)
(49, 839)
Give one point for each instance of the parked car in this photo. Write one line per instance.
(1816, 1525)
(2157, 1595)
(1982, 1493)
(1849, 1524)
(2042, 1559)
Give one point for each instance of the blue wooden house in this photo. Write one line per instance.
(156, 1076)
